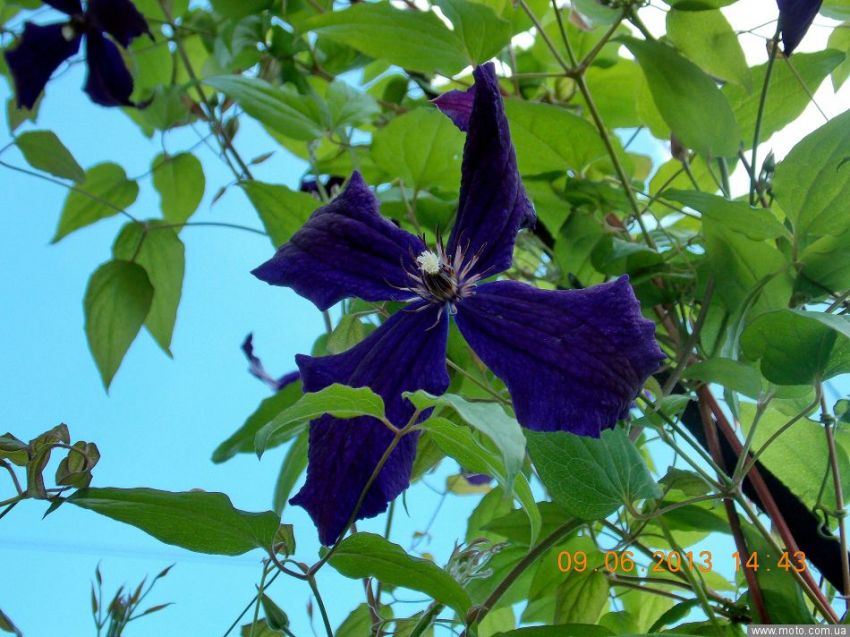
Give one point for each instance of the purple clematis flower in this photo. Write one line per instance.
(572, 360)
(258, 370)
(795, 18)
(42, 49)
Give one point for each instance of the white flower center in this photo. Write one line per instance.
(428, 262)
(68, 32)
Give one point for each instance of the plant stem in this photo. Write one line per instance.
(248, 606)
(753, 585)
(478, 613)
(774, 48)
(260, 593)
(769, 504)
(829, 424)
(697, 584)
(321, 604)
(597, 120)
(221, 134)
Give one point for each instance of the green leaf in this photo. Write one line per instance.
(786, 97)
(573, 630)
(104, 192)
(415, 40)
(490, 419)
(153, 8)
(796, 347)
(236, 9)
(179, 180)
(294, 464)
(357, 624)
(260, 628)
(459, 443)
(581, 598)
(348, 107)
(707, 38)
(117, 301)
(369, 555)
(7, 626)
(161, 253)
(740, 264)
(839, 40)
(195, 520)
(549, 138)
(812, 183)
(242, 440)
(481, 31)
(282, 211)
(615, 90)
(688, 100)
(337, 400)
(799, 456)
(275, 617)
(280, 108)
(836, 9)
(152, 65)
(824, 265)
(738, 216)
(698, 5)
(423, 148)
(782, 594)
(732, 374)
(349, 331)
(43, 150)
(591, 478)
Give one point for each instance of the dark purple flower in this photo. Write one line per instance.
(259, 371)
(795, 18)
(572, 360)
(477, 479)
(42, 49)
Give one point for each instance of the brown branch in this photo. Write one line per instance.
(767, 500)
(756, 594)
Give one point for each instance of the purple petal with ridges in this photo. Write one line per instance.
(346, 249)
(37, 55)
(71, 7)
(573, 360)
(406, 353)
(795, 18)
(457, 105)
(258, 370)
(493, 204)
(108, 83)
(119, 18)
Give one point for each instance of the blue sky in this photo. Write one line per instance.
(162, 418)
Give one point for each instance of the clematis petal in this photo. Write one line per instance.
(258, 370)
(71, 7)
(573, 360)
(457, 105)
(108, 83)
(493, 204)
(38, 54)
(119, 18)
(795, 18)
(406, 353)
(346, 249)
